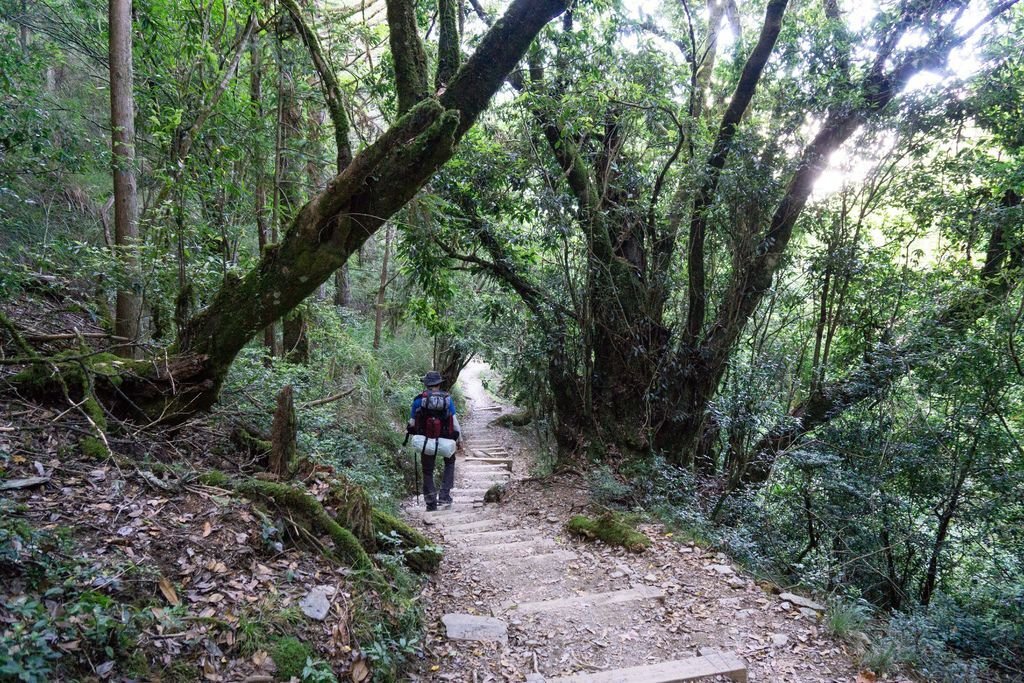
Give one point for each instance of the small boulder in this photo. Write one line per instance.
(471, 627)
(802, 602)
(317, 604)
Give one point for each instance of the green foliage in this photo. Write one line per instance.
(103, 628)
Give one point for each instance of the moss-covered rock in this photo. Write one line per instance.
(495, 493)
(609, 528)
(516, 419)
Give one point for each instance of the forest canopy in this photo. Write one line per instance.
(755, 265)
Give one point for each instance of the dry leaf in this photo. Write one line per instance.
(168, 590)
(866, 677)
(360, 672)
(207, 529)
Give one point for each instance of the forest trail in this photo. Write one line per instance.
(518, 599)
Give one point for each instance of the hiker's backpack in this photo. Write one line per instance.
(433, 419)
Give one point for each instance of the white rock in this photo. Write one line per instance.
(802, 602)
(471, 627)
(722, 569)
(316, 604)
(779, 639)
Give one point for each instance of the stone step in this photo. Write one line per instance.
(475, 628)
(468, 491)
(589, 600)
(483, 483)
(533, 560)
(475, 467)
(478, 461)
(472, 537)
(464, 512)
(517, 547)
(477, 525)
(678, 671)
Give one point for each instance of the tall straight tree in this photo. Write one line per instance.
(122, 123)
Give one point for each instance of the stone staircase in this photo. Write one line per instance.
(540, 601)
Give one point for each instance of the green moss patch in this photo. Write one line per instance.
(290, 655)
(609, 528)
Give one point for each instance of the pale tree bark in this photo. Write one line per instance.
(126, 208)
(382, 289)
(342, 287)
(259, 163)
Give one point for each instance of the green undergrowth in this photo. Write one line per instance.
(359, 435)
(611, 528)
(69, 613)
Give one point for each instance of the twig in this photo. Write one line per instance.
(329, 399)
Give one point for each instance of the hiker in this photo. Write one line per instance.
(433, 416)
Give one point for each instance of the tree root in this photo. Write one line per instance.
(346, 546)
(350, 544)
(421, 554)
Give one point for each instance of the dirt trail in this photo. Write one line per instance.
(583, 611)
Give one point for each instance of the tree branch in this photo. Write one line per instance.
(407, 52)
(328, 84)
(448, 51)
(744, 93)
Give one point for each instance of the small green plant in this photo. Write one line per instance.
(882, 657)
(290, 656)
(846, 620)
(318, 671)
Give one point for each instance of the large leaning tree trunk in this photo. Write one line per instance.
(380, 179)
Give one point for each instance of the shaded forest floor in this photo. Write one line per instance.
(144, 566)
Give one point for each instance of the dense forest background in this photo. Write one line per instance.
(751, 267)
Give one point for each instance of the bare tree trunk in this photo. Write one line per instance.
(293, 332)
(382, 289)
(258, 163)
(342, 287)
(283, 435)
(122, 122)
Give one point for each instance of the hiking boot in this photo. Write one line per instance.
(447, 502)
(431, 507)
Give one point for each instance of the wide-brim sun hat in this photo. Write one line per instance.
(432, 378)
